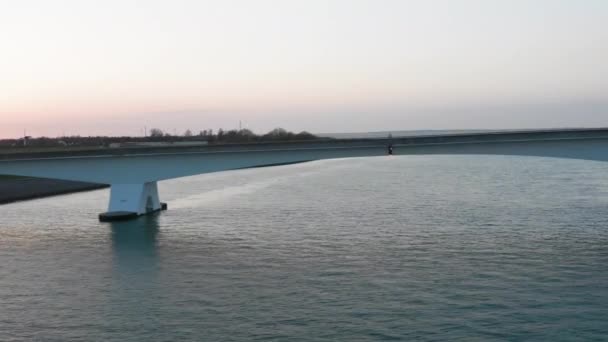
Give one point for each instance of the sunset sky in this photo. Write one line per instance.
(112, 67)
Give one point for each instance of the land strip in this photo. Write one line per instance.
(13, 188)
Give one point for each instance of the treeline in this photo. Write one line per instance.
(233, 136)
(157, 135)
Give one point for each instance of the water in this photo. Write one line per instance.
(389, 248)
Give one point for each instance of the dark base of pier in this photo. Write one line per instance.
(113, 216)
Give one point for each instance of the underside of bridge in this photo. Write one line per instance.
(134, 173)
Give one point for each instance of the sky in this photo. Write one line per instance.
(115, 67)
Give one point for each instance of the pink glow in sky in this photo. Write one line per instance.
(112, 67)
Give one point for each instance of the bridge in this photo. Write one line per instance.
(133, 173)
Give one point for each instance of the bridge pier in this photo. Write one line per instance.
(131, 200)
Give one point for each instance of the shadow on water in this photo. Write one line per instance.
(135, 264)
(135, 238)
(134, 246)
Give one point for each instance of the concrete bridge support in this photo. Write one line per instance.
(131, 200)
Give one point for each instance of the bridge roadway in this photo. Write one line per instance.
(133, 172)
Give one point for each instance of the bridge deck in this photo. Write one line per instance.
(464, 138)
(134, 172)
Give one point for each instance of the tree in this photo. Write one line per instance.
(246, 133)
(156, 132)
(188, 133)
(278, 134)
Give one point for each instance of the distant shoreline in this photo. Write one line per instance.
(16, 189)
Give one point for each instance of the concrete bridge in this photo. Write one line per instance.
(133, 173)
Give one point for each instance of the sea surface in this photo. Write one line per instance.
(413, 248)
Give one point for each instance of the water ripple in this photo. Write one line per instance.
(416, 248)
